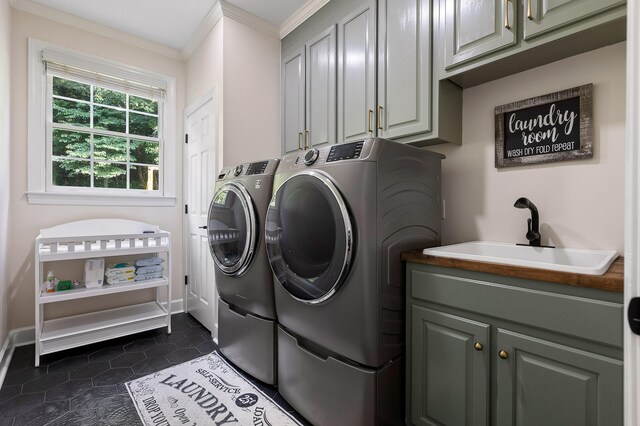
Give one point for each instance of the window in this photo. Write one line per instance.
(97, 131)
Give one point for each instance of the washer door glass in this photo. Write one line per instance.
(231, 229)
(308, 236)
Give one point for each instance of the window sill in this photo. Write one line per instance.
(58, 198)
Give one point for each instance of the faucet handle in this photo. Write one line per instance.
(533, 237)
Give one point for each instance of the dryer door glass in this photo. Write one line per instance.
(231, 229)
(309, 237)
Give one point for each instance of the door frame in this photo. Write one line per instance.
(632, 215)
(211, 95)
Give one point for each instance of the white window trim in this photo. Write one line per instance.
(37, 192)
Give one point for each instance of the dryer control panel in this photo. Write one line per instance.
(345, 151)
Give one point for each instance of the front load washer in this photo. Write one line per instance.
(235, 229)
(336, 225)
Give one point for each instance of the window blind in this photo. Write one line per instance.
(121, 83)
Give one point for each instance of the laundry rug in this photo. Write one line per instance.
(204, 391)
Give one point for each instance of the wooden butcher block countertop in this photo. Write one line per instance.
(612, 280)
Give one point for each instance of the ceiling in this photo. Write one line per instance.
(170, 23)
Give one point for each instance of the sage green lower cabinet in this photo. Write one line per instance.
(543, 383)
(485, 349)
(456, 386)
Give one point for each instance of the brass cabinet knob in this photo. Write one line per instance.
(478, 346)
(503, 354)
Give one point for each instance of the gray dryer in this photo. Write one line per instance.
(336, 225)
(235, 229)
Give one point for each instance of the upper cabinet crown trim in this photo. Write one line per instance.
(301, 15)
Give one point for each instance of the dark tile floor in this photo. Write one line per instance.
(86, 385)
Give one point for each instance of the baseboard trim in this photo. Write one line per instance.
(5, 357)
(177, 306)
(27, 336)
(15, 338)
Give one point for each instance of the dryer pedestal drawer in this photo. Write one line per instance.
(330, 392)
(248, 341)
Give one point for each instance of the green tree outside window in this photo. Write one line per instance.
(103, 138)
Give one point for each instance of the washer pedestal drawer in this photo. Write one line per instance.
(248, 341)
(330, 392)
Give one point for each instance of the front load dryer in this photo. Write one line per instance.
(336, 225)
(235, 229)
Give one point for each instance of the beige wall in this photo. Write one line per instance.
(252, 94)
(204, 73)
(243, 65)
(5, 163)
(581, 203)
(34, 217)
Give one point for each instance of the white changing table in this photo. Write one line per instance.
(98, 238)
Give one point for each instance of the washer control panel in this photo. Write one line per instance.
(257, 168)
(345, 151)
(266, 167)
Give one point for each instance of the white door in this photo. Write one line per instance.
(632, 215)
(200, 179)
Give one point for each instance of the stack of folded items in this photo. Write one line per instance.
(149, 269)
(120, 273)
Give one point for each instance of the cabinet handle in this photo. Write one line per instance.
(503, 354)
(306, 139)
(478, 346)
(370, 114)
(300, 141)
(506, 15)
(529, 14)
(379, 117)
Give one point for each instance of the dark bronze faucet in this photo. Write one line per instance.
(533, 224)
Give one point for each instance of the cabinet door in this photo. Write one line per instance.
(404, 67)
(476, 28)
(547, 15)
(356, 74)
(321, 89)
(449, 377)
(293, 100)
(544, 383)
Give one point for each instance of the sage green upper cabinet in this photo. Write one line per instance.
(357, 73)
(321, 89)
(484, 40)
(293, 100)
(384, 81)
(475, 28)
(309, 93)
(404, 68)
(548, 15)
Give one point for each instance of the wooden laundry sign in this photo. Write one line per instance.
(545, 129)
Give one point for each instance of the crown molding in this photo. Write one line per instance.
(249, 19)
(90, 26)
(223, 9)
(301, 15)
(207, 24)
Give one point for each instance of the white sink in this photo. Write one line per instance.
(590, 262)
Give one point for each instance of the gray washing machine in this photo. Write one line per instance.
(336, 225)
(235, 228)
